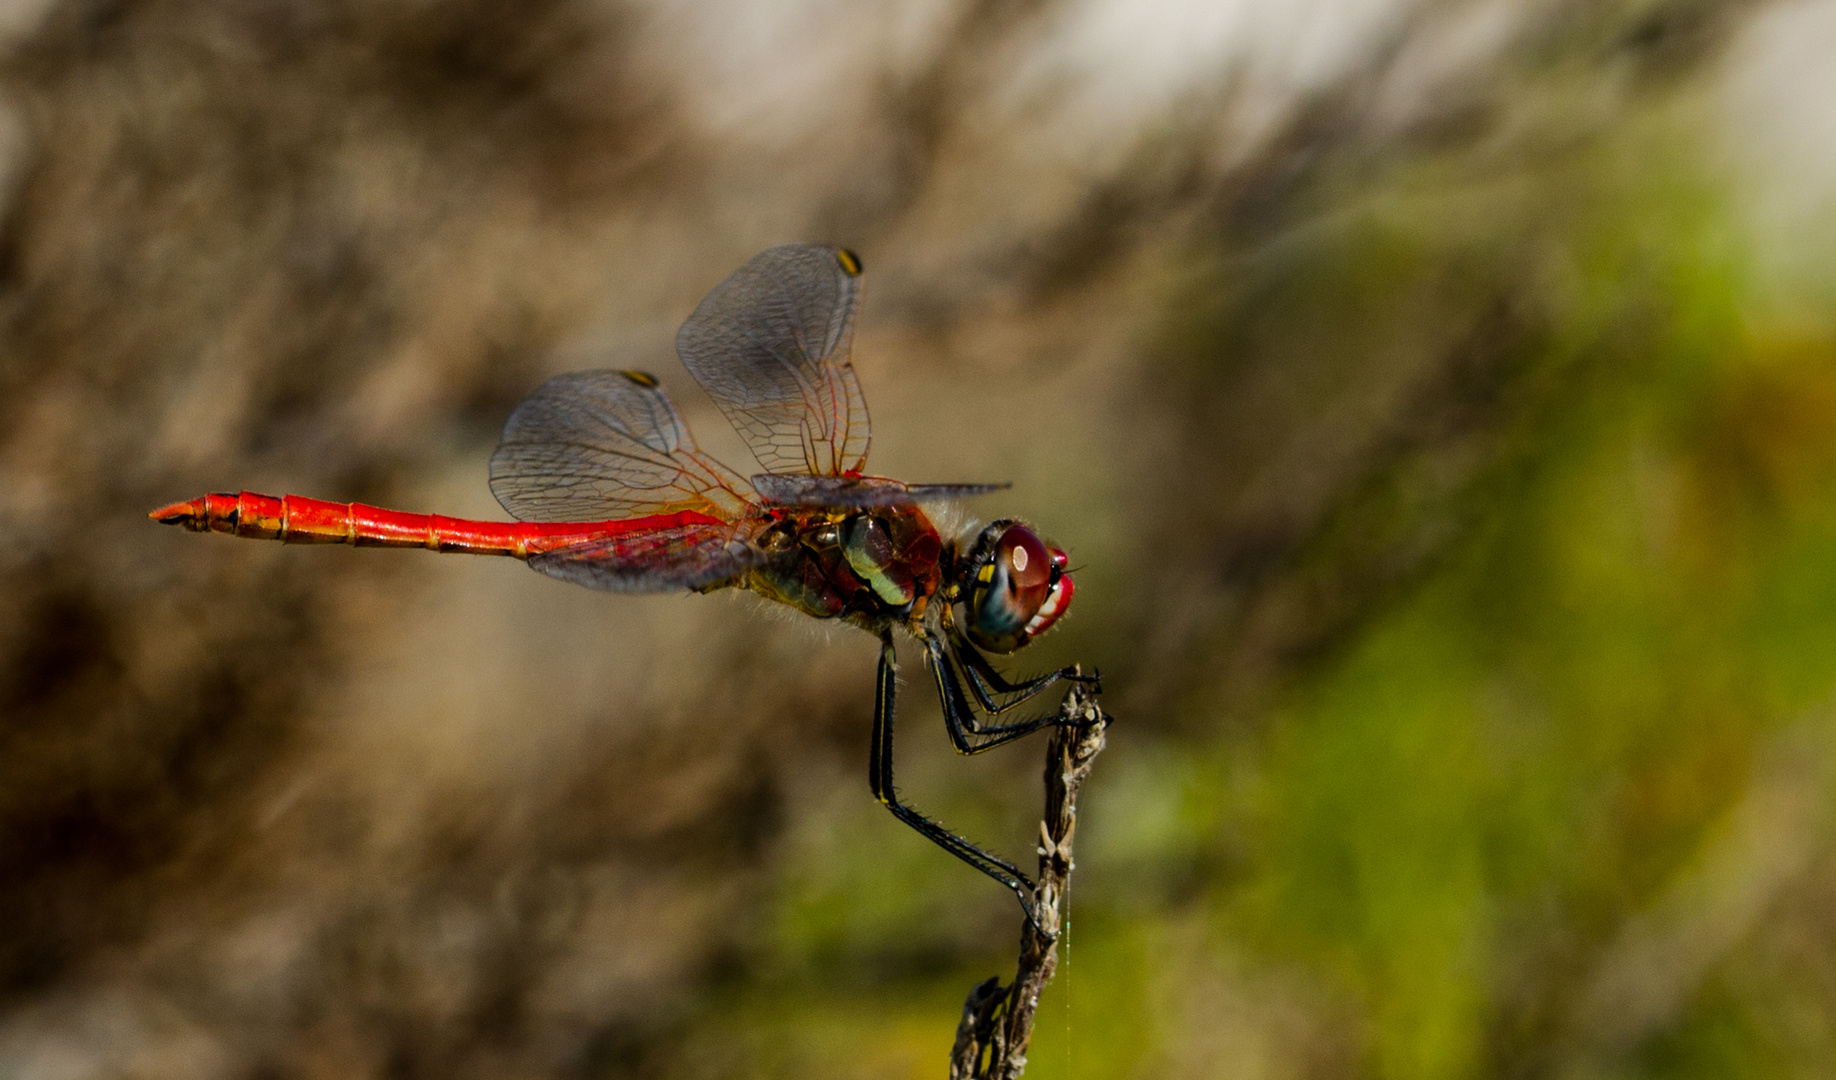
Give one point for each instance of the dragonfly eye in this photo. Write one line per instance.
(1019, 587)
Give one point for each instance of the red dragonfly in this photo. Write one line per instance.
(611, 491)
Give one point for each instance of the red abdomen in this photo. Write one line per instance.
(293, 519)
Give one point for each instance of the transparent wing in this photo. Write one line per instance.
(606, 445)
(859, 491)
(770, 346)
(653, 560)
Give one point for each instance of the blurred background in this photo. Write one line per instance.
(1438, 400)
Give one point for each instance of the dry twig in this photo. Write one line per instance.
(997, 1023)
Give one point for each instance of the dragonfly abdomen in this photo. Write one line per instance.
(294, 519)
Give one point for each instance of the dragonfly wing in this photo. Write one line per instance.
(670, 559)
(864, 492)
(606, 445)
(770, 345)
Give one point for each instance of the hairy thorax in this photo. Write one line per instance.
(872, 567)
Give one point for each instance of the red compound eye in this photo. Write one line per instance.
(1028, 569)
(1019, 589)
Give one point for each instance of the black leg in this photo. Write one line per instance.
(880, 777)
(985, 682)
(967, 733)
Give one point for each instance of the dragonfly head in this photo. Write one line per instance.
(1015, 587)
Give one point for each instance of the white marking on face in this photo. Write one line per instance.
(1047, 611)
(1019, 560)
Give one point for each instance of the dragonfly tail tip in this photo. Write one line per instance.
(181, 513)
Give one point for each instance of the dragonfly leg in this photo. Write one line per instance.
(880, 777)
(967, 732)
(986, 682)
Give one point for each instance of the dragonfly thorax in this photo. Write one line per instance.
(872, 566)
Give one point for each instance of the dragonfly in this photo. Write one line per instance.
(611, 491)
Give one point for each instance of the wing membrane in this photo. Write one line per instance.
(606, 445)
(653, 560)
(771, 344)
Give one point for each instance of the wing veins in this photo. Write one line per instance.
(767, 344)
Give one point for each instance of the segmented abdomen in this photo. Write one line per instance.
(294, 519)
